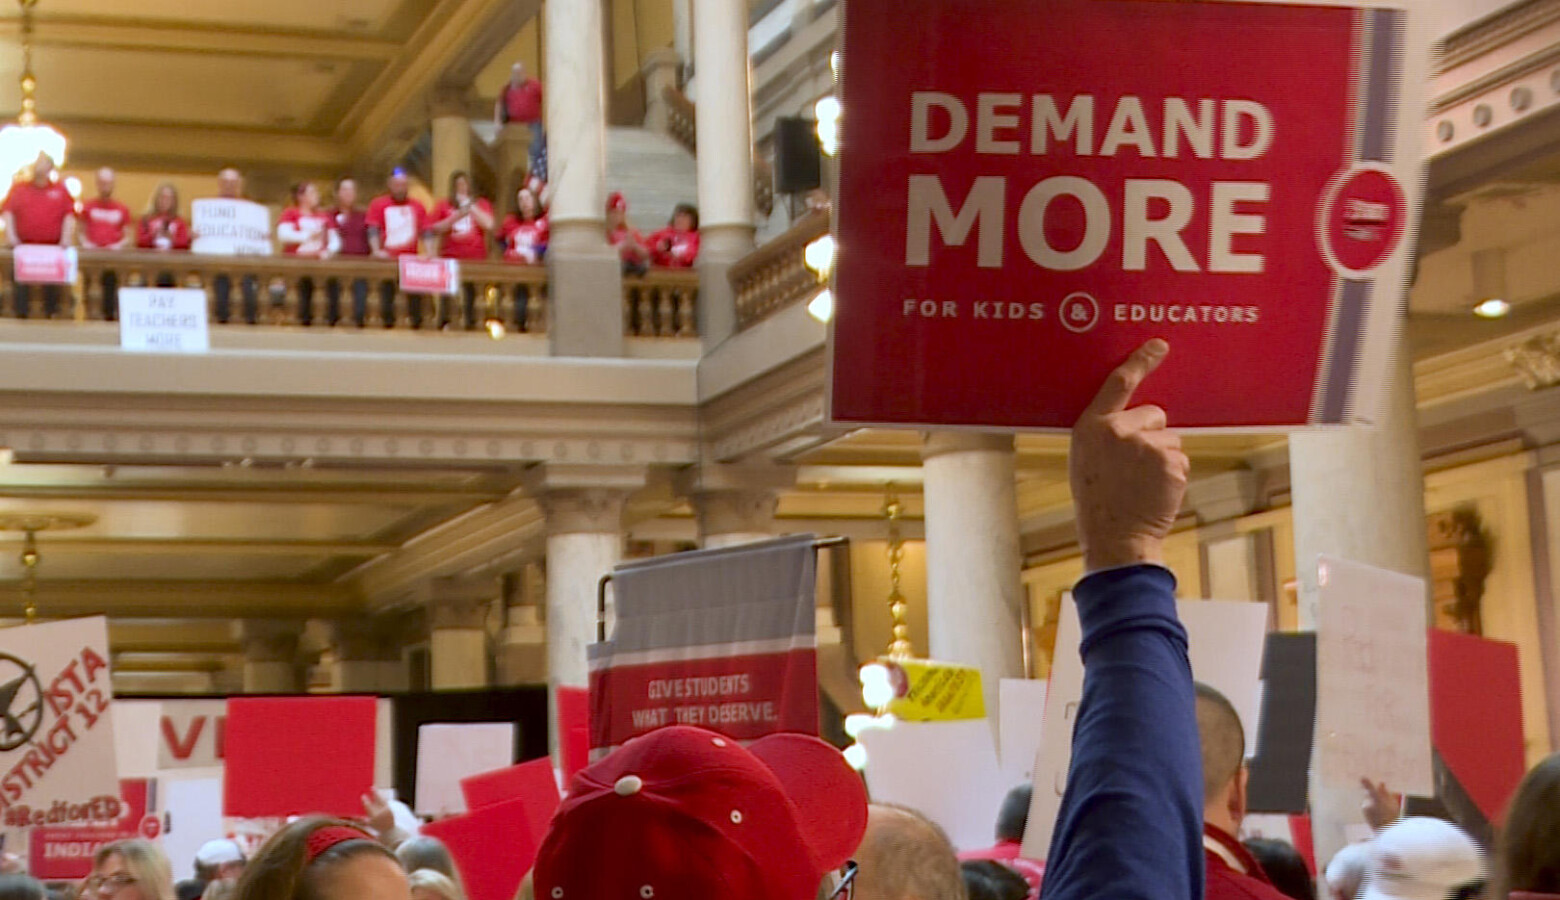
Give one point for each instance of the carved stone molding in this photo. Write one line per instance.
(583, 510)
(269, 640)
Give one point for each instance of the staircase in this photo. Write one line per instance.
(653, 172)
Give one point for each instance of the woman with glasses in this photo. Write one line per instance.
(129, 870)
(320, 858)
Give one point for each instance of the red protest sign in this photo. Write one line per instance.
(1029, 192)
(429, 276)
(44, 264)
(532, 779)
(474, 840)
(1476, 716)
(573, 729)
(62, 850)
(745, 696)
(289, 756)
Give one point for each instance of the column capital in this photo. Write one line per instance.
(363, 639)
(584, 499)
(459, 602)
(449, 100)
(733, 499)
(937, 443)
(269, 640)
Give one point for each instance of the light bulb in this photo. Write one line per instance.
(821, 307)
(856, 757)
(877, 688)
(827, 109)
(73, 186)
(856, 723)
(819, 255)
(829, 136)
(1493, 308)
(495, 329)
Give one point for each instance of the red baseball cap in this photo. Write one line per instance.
(615, 201)
(683, 812)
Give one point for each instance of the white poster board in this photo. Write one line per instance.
(1023, 713)
(947, 771)
(448, 753)
(194, 817)
(1226, 640)
(137, 732)
(56, 719)
(229, 227)
(1372, 678)
(163, 320)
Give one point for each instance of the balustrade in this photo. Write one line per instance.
(775, 275)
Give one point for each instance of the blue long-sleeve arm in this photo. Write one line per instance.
(1130, 826)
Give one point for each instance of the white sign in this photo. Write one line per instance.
(163, 320)
(1023, 710)
(1372, 678)
(190, 734)
(947, 771)
(56, 726)
(1225, 643)
(448, 753)
(44, 264)
(226, 227)
(137, 726)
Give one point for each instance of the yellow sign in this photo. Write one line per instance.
(930, 691)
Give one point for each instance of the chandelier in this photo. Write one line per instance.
(22, 142)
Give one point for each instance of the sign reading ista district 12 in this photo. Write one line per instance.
(1030, 189)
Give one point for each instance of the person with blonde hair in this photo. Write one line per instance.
(321, 858)
(129, 870)
(430, 885)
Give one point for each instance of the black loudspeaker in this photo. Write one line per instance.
(798, 161)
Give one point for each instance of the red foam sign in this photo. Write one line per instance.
(531, 781)
(493, 847)
(1476, 716)
(1029, 193)
(290, 756)
(573, 729)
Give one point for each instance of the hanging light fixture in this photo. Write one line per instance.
(29, 524)
(23, 141)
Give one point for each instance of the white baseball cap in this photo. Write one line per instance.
(1422, 859)
(217, 852)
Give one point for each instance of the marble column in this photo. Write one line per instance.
(660, 73)
(457, 632)
(1359, 495)
(451, 127)
(682, 29)
(271, 663)
(522, 652)
(367, 658)
(725, 159)
(734, 504)
(973, 587)
(585, 291)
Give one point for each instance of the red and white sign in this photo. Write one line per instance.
(1028, 193)
(723, 639)
(191, 734)
(44, 264)
(62, 850)
(420, 275)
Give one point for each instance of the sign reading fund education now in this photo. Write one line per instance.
(1030, 190)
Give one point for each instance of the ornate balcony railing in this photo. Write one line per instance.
(349, 293)
(775, 275)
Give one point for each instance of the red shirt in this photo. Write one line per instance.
(524, 241)
(352, 225)
(628, 241)
(466, 239)
(104, 222)
(673, 249)
(313, 227)
(1007, 853)
(400, 223)
(40, 212)
(173, 231)
(1233, 873)
(523, 103)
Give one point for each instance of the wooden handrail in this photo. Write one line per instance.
(662, 303)
(775, 275)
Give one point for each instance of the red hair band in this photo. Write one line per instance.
(325, 838)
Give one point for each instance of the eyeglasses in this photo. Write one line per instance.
(846, 888)
(109, 886)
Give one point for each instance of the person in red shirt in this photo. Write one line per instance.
(1232, 872)
(39, 211)
(1012, 821)
(524, 233)
(306, 230)
(462, 223)
(351, 226)
(106, 224)
(162, 228)
(396, 222)
(625, 238)
(521, 101)
(677, 245)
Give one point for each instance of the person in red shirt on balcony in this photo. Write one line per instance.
(463, 222)
(39, 211)
(161, 228)
(396, 222)
(524, 233)
(306, 230)
(106, 224)
(521, 101)
(677, 245)
(351, 226)
(625, 238)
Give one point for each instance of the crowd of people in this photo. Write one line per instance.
(461, 225)
(1153, 806)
